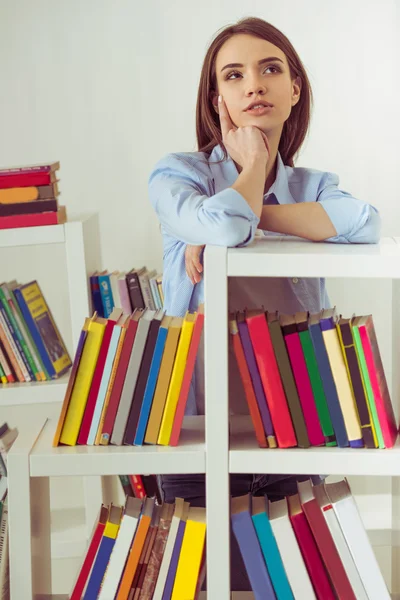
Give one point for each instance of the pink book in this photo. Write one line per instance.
(309, 550)
(124, 295)
(191, 359)
(302, 379)
(377, 377)
(98, 373)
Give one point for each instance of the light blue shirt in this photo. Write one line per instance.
(196, 204)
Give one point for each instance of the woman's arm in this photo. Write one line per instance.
(335, 216)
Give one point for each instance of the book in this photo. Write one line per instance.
(302, 379)
(97, 305)
(30, 169)
(106, 293)
(325, 543)
(173, 565)
(350, 522)
(315, 378)
(243, 529)
(175, 384)
(164, 377)
(328, 383)
(87, 364)
(270, 378)
(347, 404)
(187, 572)
(144, 559)
(27, 179)
(135, 293)
(289, 384)
(34, 219)
(28, 208)
(246, 381)
(43, 329)
(256, 380)
(270, 548)
(90, 555)
(157, 553)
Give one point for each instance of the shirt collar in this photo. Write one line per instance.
(226, 173)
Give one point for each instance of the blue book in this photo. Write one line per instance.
(328, 383)
(106, 294)
(151, 384)
(169, 582)
(250, 549)
(270, 549)
(103, 554)
(96, 295)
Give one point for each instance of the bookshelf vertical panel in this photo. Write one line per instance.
(217, 423)
(396, 406)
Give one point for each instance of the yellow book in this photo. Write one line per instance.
(113, 522)
(83, 381)
(187, 572)
(341, 379)
(123, 323)
(175, 384)
(346, 362)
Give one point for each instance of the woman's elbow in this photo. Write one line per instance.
(370, 232)
(237, 232)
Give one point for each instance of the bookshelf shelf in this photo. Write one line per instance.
(188, 457)
(36, 392)
(32, 236)
(205, 445)
(246, 457)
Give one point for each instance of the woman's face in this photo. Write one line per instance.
(242, 85)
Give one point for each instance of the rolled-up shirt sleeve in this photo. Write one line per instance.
(355, 221)
(187, 213)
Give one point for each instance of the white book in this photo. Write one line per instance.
(154, 291)
(4, 555)
(114, 289)
(339, 541)
(180, 514)
(120, 551)
(357, 540)
(292, 558)
(105, 378)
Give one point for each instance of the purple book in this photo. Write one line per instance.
(255, 377)
(169, 583)
(243, 529)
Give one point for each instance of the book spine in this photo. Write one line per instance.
(35, 333)
(137, 486)
(6, 367)
(4, 337)
(135, 292)
(106, 295)
(3, 377)
(19, 338)
(146, 292)
(27, 170)
(26, 208)
(15, 345)
(97, 304)
(154, 292)
(26, 180)
(34, 220)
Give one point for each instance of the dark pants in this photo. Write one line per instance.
(192, 489)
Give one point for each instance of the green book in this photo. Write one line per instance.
(367, 383)
(2, 374)
(315, 378)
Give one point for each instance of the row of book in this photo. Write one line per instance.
(29, 196)
(138, 288)
(7, 438)
(144, 551)
(130, 379)
(31, 347)
(309, 545)
(313, 379)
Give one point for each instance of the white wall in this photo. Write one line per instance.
(109, 87)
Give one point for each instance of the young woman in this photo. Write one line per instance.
(253, 113)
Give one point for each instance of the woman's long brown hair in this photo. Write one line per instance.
(207, 120)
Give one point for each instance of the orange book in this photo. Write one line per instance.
(18, 195)
(247, 383)
(136, 550)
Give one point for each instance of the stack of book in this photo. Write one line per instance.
(313, 380)
(144, 550)
(7, 438)
(31, 347)
(130, 379)
(29, 196)
(308, 545)
(138, 288)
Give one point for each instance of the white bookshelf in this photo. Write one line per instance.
(80, 241)
(205, 446)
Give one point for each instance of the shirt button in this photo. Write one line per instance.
(295, 280)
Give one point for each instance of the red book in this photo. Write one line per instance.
(190, 362)
(309, 550)
(97, 375)
(34, 219)
(324, 540)
(27, 180)
(28, 169)
(97, 535)
(115, 397)
(137, 486)
(270, 377)
(247, 382)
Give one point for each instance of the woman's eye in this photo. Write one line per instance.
(276, 68)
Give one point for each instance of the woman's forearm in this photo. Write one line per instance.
(308, 220)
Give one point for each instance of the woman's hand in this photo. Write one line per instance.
(192, 262)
